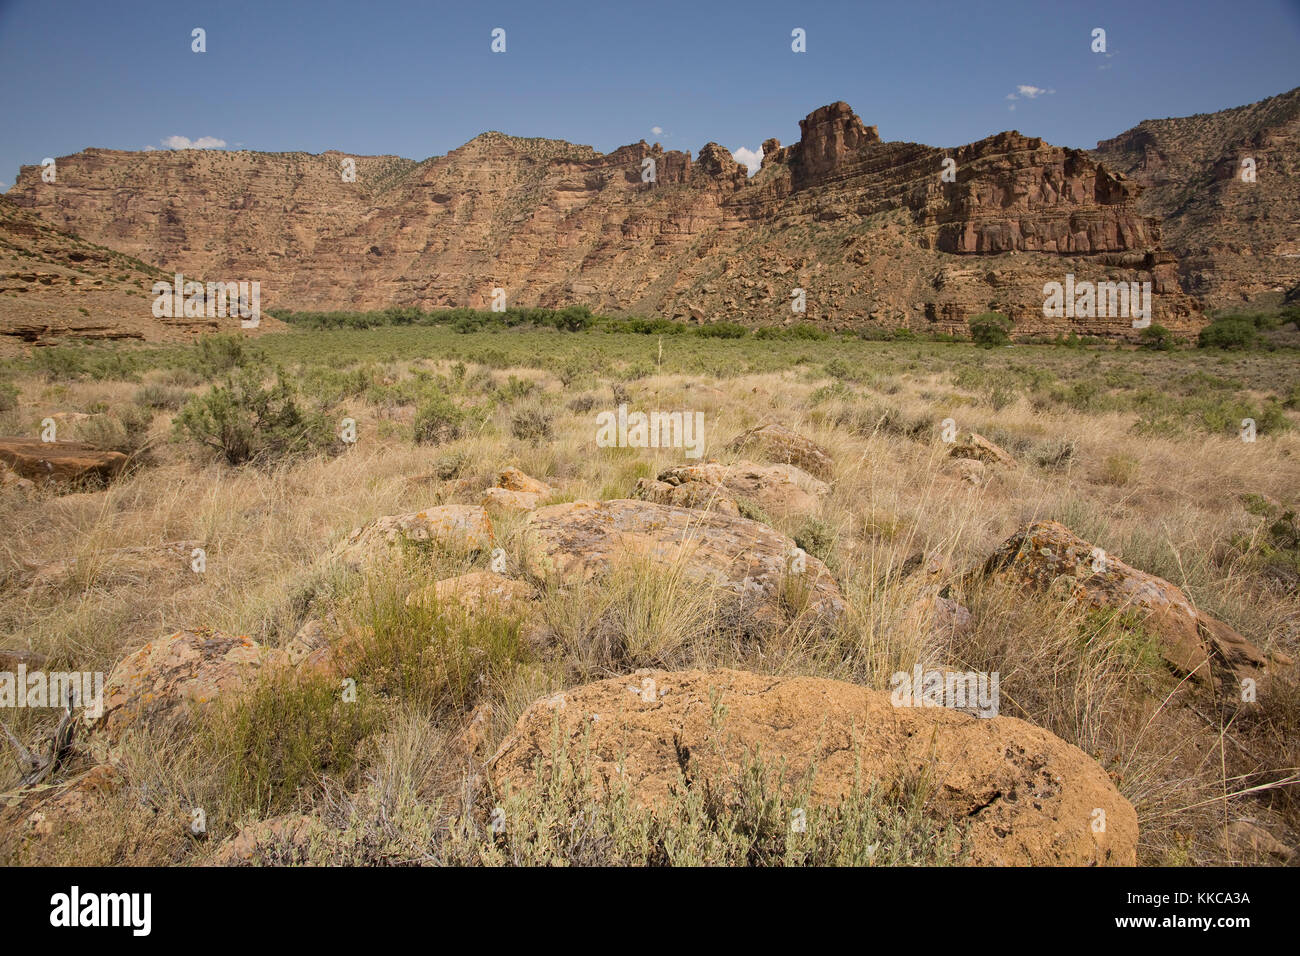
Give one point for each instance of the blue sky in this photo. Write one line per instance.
(418, 79)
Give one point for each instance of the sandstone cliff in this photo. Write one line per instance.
(55, 285)
(1236, 241)
(868, 229)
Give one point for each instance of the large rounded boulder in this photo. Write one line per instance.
(1021, 795)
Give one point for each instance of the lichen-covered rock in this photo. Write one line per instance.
(778, 490)
(687, 494)
(1047, 554)
(581, 540)
(512, 479)
(163, 683)
(780, 444)
(457, 527)
(513, 502)
(978, 448)
(1025, 796)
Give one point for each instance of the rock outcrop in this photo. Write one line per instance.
(59, 461)
(1024, 796)
(162, 684)
(583, 540)
(1047, 554)
(780, 444)
(56, 286)
(1227, 186)
(457, 527)
(778, 490)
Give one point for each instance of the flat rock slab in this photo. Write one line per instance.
(1027, 797)
(581, 540)
(59, 461)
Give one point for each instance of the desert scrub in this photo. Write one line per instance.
(531, 425)
(249, 421)
(750, 816)
(158, 396)
(438, 420)
(272, 746)
(438, 659)
(125, 430)
(817, 538)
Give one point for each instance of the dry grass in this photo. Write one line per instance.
(1167, 504)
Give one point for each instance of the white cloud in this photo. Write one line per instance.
(749, 158)
(184, 142)
(657, 130)
(1026, 92)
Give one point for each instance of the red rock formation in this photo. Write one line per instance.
(1236, 241)
(867, 228)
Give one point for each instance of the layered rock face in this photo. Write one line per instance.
(869, 230)
(55, 285)
(1236, 241)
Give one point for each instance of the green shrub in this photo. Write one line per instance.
(990, 330)
(275, 744)
(219, 354)
(722, 330)
(1236, 332)
(1157, 338)
(247, 421)
(8, 396)
(438, 420)
(816, 537)
(531, 424)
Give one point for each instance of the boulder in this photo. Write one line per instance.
(59, 461)
(310, 648)
(972, 470)
(513, 502)
(34, 814)
(687, 494)
(289, 835)
(10, 658)
(476, 591)
(1047, 554)
(459, 527)
(163, 683)
(778, 489)
(1025, 796)
(10, 480)
(512, 479)
(778, 443)
(581, 540)
(979, 448)
(940, 617)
